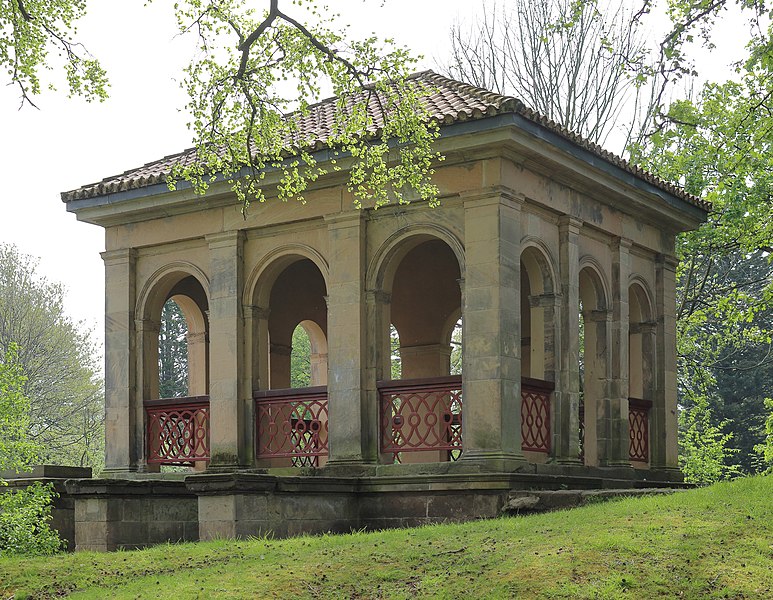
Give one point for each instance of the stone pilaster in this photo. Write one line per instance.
(567, 395)
(663, 418)
(228, 401)
(352, 433)
(492, 336)
(614, 450)
(146, 332)
(123, 430)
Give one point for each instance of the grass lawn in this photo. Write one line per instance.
(715, 542)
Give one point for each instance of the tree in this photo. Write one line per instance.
(173, 352)
(16, 449)
(704, 446)
(720, 145)
(249, 90)
(24, 514)
(574, 71)
(300, 359)
(29, 30)
(58, 361)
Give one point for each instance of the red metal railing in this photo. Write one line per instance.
(535, 414)
(292, 423)
(177, 430)
(419, 415)
(639, 429)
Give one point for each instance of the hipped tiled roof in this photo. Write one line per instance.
(448, 101)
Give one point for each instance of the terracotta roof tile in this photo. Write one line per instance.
(448, 101)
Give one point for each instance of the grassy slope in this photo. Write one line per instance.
(713, 542)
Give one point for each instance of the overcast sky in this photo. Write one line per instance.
(69, 143)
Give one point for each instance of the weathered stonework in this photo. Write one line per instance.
(538, 236)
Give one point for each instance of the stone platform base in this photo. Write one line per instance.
(114, 514)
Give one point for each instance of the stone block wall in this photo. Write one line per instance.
(119, 514)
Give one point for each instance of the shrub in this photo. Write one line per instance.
(25, 517)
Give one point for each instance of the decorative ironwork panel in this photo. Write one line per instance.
(639, 429)
(421, 415)
(292, 424)
(177, 430)
(535, 415)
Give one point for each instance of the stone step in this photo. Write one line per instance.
(520, 502)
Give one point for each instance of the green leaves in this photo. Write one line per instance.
(31, 31)
(17, 451)
(250, 92)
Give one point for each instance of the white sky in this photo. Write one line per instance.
(69, 143)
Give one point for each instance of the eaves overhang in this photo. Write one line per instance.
(542, 147)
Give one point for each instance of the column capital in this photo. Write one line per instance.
(643, 327)
(496, 194)
(378, 297)
(255, 312)
(353, 218)
(597, 316)
(569, 224)
(667, 261)
(281, 349)
(118, 256)
(147, 325)
(545, 300)
(620, 243)
(224, 239)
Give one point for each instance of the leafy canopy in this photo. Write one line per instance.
(30, 30)
(252, 81)
(17, 451)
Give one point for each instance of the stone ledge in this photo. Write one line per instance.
(547, 500)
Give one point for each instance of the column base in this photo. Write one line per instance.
(569, 460)
(491, 462)
(349, 467)
(118, 472)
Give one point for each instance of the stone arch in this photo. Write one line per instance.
(538, 312)
(262, 277)
(539, 264)
(641, 341)
(271, 320)
(414, 283)
(389, 255)
(188, 286)
(160, 284)
(595, 360)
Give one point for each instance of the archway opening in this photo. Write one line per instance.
(641, 348)
(421, 412)
(291, 409)
(593, 361)
(175, 373)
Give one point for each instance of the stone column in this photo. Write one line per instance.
(614, 451)
(567, 394)
(352, 430)
(663, 418)
(123, 432)
(227, 401)
(147, 377)
(379, 360)
(492, 331)
(428, 360)
(198, 369)
(279, 369)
